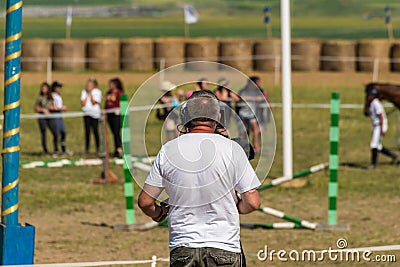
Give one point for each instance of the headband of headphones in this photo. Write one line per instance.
(202, 106)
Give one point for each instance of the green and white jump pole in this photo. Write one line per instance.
(278, 225)
(281, 180)
(299, 222)
(333, 159)
(128, 184)
(16, 240)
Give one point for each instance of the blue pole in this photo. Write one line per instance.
(11, 129)
(17, 241)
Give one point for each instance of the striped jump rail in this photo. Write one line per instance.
(138, 162)
(282, 215)
(281, 180)
(278, 225)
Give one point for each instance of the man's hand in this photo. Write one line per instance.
(163, 213)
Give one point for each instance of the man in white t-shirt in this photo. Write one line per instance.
(90, 100)
(202, 172)
(379, 127)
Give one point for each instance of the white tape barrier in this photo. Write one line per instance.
(138, 162)
(76, 114)
(153, 262)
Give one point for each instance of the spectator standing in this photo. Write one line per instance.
(59, 107)
(112, 107)
(90, 100)
(43, 106)
(226, 97)
(164, 114)
(262, 110)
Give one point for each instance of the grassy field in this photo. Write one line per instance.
(326, 28)
(313, 18)
(71, 214)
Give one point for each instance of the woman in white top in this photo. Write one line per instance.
(90, 99)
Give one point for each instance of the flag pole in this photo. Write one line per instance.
(68, 32)
(390, 31)
(68, 23)
(388, 21)
(269, 31)
(186, 30)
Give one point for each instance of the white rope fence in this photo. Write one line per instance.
(76, 114)
(153, 263)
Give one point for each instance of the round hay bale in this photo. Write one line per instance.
(338, 55)
(69, 55)
(35, 54)
(266, 52)
(370, 50)
(171, 49)
(137, 54)
(237, 53)
(103, 54)
(305, 54)
(395, 56)
(201, 49)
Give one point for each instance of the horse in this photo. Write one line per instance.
(386, 91)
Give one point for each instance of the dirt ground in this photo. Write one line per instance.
(81, 231)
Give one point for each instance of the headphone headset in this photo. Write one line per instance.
(184, 112)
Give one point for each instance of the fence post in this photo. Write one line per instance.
(333, 159)
(49, 70)
(126, 138)
(375, 73)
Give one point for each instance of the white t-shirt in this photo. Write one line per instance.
(375, 109)
(89, 109)
(57, 100)
(200, 173)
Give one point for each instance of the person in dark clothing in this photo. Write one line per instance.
(164, 114)
(59, 107)
(112, 107)
(226, 96)
(43, 105)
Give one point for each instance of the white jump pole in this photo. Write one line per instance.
(286, 90)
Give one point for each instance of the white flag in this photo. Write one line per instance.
(68, 21)
(191, 15)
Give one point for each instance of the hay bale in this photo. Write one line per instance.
(305, 54)
(137, 54)
(201, 49)
(340, 55)
(69, 55)
(369, 50)
(103, 54)
(35, 53)
(236, 53)
(395, 56)
(266, 52)
(171, 49)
